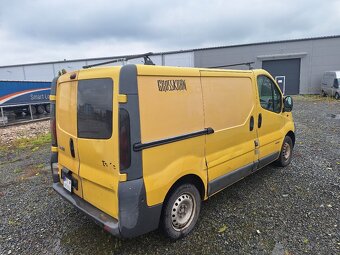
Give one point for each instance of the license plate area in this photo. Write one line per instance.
(69, 181)
(68, 184)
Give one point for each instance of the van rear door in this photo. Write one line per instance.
(97, 144)
(66, 119)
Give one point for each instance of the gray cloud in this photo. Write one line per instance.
(40, 30)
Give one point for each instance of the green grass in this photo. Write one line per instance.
(17, 170)
(33, 143)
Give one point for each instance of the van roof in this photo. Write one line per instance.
(169, 70)
(181, 71)
(337, 73)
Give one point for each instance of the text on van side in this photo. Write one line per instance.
(171, 85)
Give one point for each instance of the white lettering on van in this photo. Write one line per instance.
(171, 85)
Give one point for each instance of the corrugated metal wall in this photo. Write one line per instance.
(47, 71)
(317, 55)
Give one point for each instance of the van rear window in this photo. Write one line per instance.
(95, 108)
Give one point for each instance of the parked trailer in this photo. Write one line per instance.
(29, 97)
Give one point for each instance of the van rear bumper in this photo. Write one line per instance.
(136, 217)
(109, 223)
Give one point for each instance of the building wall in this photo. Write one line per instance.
(47, 71)
(317, 56)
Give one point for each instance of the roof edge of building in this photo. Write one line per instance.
(176, 51)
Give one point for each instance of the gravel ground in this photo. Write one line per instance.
(292, 210)
(30, 130)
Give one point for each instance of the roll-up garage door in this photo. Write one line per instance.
(286, 72)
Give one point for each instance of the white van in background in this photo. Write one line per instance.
(330, 84)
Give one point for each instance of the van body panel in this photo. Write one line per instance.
(270, 134)
(149, 70)
(175, 109)
(229, 104)
(169, 113)
(182, 158)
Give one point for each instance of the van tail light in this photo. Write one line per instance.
(53, 126)
(55, 174)
(124, 139)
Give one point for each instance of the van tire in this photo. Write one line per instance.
(323, 93)
(183, 204)
(337, 96)
(286, 152)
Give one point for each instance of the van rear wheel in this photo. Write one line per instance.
(181, 211)
(286, 152)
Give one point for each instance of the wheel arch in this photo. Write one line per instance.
(189, 178)
(292, 136)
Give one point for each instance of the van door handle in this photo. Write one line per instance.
(72, 148)
(251, 123)
(259, 123)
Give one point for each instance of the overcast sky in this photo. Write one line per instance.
(48, 30)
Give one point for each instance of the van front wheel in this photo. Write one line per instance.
(181, 211)
(286, 152)
(337, 96)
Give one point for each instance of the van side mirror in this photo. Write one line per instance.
(287, 104)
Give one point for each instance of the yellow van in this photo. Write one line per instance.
(139, 147)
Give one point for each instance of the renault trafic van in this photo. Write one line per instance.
(139, 147)
(330, 84)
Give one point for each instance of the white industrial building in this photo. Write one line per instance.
(301, 61)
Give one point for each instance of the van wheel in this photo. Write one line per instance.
(181, 211)
(286, 152)
(337, 96)
(323, 93)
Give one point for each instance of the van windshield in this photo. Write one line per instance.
(94, 115)
(336, 83)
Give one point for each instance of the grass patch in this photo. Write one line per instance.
(17, 170)
(40, 166)
(33, 143)
(3, 149)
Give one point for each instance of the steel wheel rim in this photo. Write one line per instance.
(183, 211)
(286, 151)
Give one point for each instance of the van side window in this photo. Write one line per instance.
(94, 113)
(270, 96)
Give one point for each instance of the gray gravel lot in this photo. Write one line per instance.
(293, 210)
